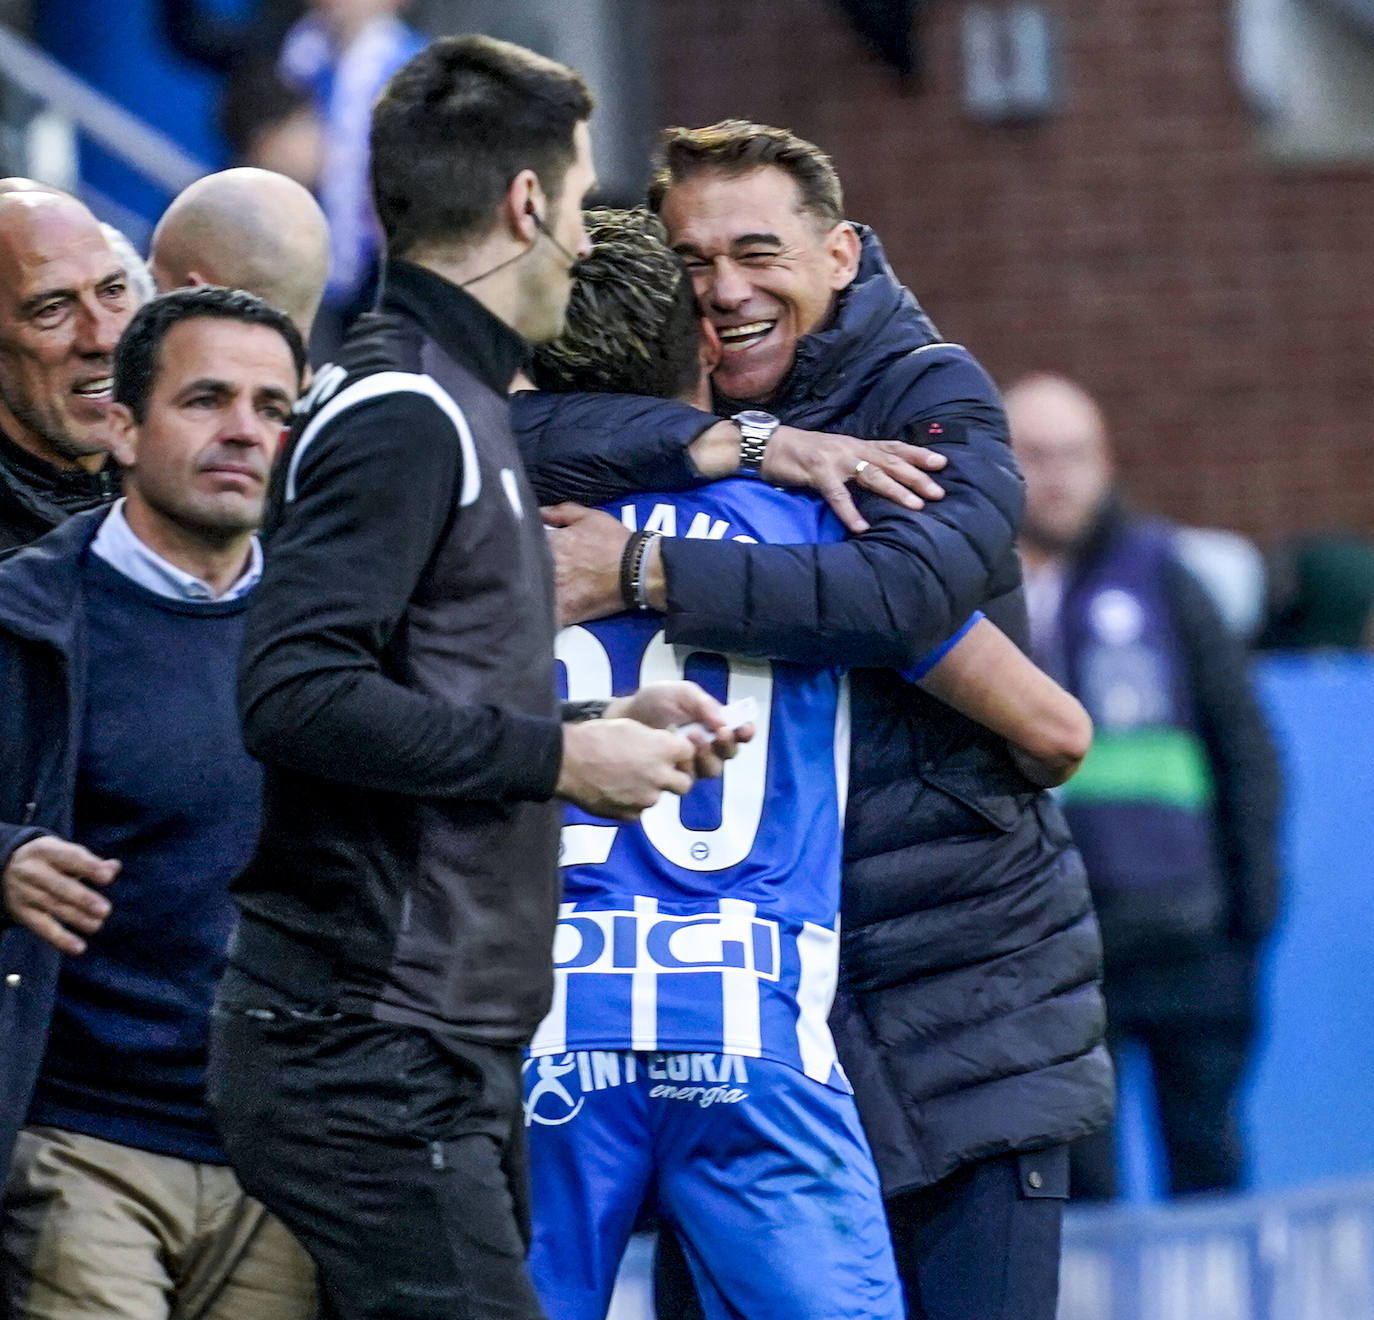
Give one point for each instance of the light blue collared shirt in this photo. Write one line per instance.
(117, 545)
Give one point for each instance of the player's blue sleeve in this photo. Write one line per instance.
(916, 672)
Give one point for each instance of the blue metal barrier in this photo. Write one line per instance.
(1301, 1255)
(1311, 1107)
(1305, 1255)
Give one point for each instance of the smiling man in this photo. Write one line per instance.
(64, 301)
(768, 251)
(968, 1015)
(128, 804)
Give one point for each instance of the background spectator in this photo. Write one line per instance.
(341, 53)
(247, 229)
(270, 125)
(115, 883)
(56, 357)
(1176, 807)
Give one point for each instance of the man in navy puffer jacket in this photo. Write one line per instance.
(969, 1016)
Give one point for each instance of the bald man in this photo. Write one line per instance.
(64, 301)
(247, 229)
(1176, 807)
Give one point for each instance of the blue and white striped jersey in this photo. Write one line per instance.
(711, 925)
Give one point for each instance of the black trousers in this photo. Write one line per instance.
(1198, 1067)
(982, 1244)
(395, 1156)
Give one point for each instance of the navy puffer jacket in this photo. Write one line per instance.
(969, 1016)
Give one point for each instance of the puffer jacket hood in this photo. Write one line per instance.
(876, 321)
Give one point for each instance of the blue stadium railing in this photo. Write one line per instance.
(50, 113)
(1299, 1255)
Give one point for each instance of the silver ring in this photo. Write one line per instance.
(858, 469)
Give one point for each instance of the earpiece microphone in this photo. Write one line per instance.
(547, 232)
(510, 261)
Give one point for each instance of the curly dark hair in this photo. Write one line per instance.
(632, 323)
(735, 146)
(137, 355)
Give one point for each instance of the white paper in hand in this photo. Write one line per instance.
(736, 715)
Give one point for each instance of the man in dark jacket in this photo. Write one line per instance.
(64, 301)
(395, 951)
(1176, 808)
(128, 804)
(969, 1017)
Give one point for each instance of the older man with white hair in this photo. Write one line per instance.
(65, 298)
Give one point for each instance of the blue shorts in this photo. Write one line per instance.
(764, 1173)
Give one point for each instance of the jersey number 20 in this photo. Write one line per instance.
(742, 790)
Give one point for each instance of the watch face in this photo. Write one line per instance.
(756, 417)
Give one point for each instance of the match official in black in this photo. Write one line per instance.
(395, 948)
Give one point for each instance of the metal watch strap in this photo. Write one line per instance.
(755, 430)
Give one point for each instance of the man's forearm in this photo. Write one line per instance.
(881, 600)
(852, 603)
(591, 448)
(715, 452)
(361, 728)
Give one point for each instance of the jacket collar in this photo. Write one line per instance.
(40, 585)
(874, 319)
(49, 493)
(456, 321)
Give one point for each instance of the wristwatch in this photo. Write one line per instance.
(755, 430)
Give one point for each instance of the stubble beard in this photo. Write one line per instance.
(213, 528)
(41, 426)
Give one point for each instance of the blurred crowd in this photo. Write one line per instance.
(299, 82)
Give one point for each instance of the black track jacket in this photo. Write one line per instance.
(397, 681)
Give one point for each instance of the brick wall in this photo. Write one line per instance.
(1221, 308)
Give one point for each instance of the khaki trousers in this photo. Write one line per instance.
(92, 1230)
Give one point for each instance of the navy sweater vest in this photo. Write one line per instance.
(165, 786)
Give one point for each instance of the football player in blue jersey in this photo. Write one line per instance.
(686, 1060)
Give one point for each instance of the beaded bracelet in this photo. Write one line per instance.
(632, 586)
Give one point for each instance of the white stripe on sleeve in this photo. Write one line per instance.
(378, 386)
